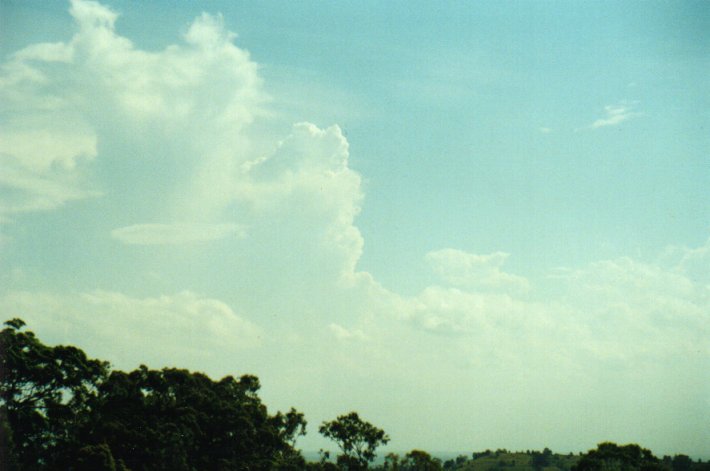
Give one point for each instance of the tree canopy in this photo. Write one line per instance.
(356, 438)
(612, 457)
(63, 410)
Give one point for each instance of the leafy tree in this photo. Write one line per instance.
(418, 460)
(612, 457)
(392, 462)
(45, 394)
(356, 438)
(540, 460)
(95, 458)
(681, 463)
(61, 410)
(199, 423)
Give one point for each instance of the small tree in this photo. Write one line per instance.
(356, 439)
(418, 460)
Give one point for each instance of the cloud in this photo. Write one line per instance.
(174, 234)
(75, 111)
(341, 333)
(41, 167)
(473, 271)
(164, 330)
(169, 136)
(616, 114)
(305, 192)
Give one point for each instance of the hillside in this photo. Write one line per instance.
(513, 461)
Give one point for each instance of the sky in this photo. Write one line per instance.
(478, 224)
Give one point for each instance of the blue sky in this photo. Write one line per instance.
(486, 219)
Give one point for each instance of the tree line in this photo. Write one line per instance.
(60, 410)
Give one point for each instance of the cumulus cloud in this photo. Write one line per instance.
(306, 189)
(174, 234)
(467, 270)
(183, 327)
(616, 114)
(75, 110)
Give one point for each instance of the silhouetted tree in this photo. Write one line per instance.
(391, 462)
(61, 410)
(613, 457)
(356, 438)
(45, 394)
(540, 460)
(418, 460)
(681, 463)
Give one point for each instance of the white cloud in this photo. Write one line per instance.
(473, 271)
(174, 234)
(74, 109)
(616, 114)
(306, 190)
(341, 333)
(170, 329)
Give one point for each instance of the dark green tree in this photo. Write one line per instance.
(681, 463)
(46, 395)
(392, 462)
(356, 438)
(541, 459)
(612, 457)
(61, 410)
(95, 458)
(418, 460)
(197, 422)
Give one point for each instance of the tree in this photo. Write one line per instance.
(62, 410)
(95, 458)
(356, 438)
(174, 419)
(418, 460)
(612, 457)
(540, 460)
(392, 462)
(681, 463)
(45, 394)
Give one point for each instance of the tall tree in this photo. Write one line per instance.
(61, 410)
(45, 393)
(356, 438)
(197, 422)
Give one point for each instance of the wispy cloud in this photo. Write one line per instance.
(174, 234)
(616, 114)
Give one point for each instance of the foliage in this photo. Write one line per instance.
(62, 410)
(540, 460)
(418, 460)
(356, 438)
(46, 393)
(612, 457)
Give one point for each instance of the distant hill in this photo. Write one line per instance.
(503, 460)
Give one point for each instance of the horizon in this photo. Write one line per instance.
(478, 225)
